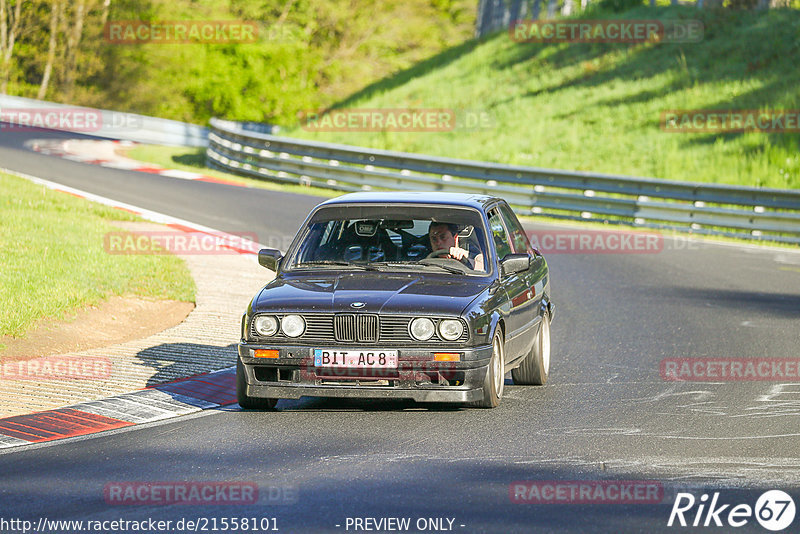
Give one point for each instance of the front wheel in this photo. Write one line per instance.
(245, 401)
(536, 366)
(494, 382)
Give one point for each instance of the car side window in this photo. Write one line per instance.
(499, 234)
(519, 241)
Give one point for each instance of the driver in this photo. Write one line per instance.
(444, 236)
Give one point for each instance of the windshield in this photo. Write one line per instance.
(447, 240)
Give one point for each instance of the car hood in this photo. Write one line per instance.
(379, 292)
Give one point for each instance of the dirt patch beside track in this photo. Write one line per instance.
(116, 320)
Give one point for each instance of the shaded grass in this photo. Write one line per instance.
(54, 261)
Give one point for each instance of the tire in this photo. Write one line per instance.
(493, 384)
(245, 401)
(535, 368)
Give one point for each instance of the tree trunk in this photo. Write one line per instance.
(9, 28)
(552, 5)
(55, 15)
(568, 7)
(73, 39)
(516, 8)
(285, 13)
(484, 17)
(104, 14)
(537, 9)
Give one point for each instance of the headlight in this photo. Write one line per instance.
(265, 325)
(422, 328)
(293, 325)
(450, 329)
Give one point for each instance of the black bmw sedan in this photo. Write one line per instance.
(423, 296)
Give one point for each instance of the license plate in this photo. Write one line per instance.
(359, 359)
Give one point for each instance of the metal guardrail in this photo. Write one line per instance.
(753, 213)
(110, 124)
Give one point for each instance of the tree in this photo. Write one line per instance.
(537, 9)
(10, 16)
(74, 35)
(55, 20)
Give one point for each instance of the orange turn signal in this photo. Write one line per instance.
(267, 353)
(447, 356)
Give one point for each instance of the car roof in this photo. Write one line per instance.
(414, 197)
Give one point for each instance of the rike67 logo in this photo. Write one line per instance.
(774, 510)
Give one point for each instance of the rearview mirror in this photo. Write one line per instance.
(397, 224)
(269, 258)
(514, 263)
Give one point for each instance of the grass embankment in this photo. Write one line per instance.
(597, 107)
(54, 261)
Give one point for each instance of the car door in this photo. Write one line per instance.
(516, 287)
(530, 301)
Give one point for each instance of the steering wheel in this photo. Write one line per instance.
(438, 252)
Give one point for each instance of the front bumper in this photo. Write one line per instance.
(293, 375)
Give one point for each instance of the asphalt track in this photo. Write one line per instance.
(606, 414)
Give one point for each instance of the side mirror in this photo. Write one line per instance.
(269, 258)
(514, 263)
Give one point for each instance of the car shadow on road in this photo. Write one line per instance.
(322, 404)
(174, 361)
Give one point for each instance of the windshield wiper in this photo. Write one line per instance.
(414, 264)
(445, 267)
(393, 263)
(365, 266)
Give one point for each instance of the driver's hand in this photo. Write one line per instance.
(458, 253)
